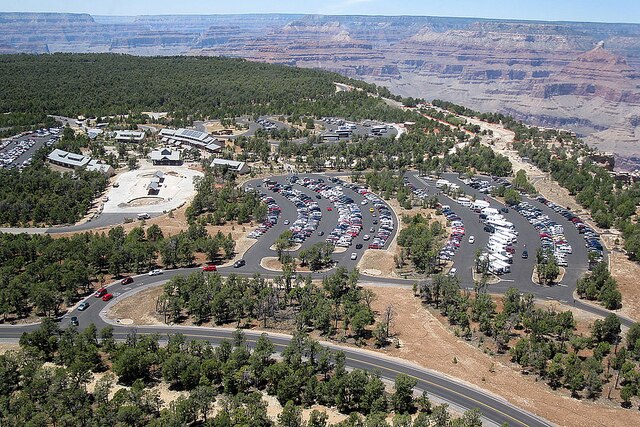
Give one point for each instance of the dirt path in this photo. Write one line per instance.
(427, 342)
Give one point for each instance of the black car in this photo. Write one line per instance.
(74, 321)
(359, 246)
(318, 196)
(504, 210)
(525, 254)
(239, 263)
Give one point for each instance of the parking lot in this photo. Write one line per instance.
(318, 208)
(570, 240)
(17, 152)
(338, 129)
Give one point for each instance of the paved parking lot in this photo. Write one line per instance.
(328, 222)
(522, 269)
(338, 129)
(17, 152)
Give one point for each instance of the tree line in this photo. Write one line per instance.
(40, 274)
(46, 383)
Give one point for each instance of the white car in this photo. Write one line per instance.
(364, 202)
(354, 255)
(366, 237)
(472, 239)
(452, 272)
(155, 272)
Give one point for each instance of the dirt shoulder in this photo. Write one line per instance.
(425, 340)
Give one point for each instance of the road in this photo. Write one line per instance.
(495, 410)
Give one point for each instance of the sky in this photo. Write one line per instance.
(548, 10)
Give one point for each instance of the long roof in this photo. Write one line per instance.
(226, 162)
(67, 158)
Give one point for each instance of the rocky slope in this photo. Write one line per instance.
(583, 76)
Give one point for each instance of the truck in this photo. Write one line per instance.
(478, 205)
(142, 216)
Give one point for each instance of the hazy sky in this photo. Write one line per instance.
(552, 10)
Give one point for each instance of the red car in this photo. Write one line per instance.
(209, 267)
(100, 292)
(329, 208)
(126, 280)
(107, 297)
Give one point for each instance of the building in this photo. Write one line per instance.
(129, 136)
(153, 188)
(233, 165)
(78, 161)
(190, 137)
(68, 160)
(96, 166)
(166, 156)
(93, 133)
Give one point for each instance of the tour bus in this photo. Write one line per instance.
(442, 183)
(490, 211)
(478, 205)
(498, 267)
(502, 233)
(464, 201)
(500, 223)
(500, 240)
(503, 258)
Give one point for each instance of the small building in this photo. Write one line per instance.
(93, 133)
(129, 136)
(166, 156)
(236, 166)
(68, 160)
(190, 137)
(103, 168)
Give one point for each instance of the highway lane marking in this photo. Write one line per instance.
(374, 365)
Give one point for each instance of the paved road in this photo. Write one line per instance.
(494, 409)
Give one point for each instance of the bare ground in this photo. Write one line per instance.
(426, 341)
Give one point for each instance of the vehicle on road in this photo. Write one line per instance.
(107, 297)
(354, 255)
(286, 222)
(472, 239)
(359, 246)
(320, 233)
(100, 292)
(155, 272)
(83, 306)
(452, 272)
(74, 321)
(209, 267)
(525, 254)
(366, 237)
(329, 208)
(239, 263)
(126, 280)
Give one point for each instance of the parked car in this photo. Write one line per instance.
(452, 272)
(126, 280)
(155, 272)
(239, 263)
(107, 297)
(209, 267)
(100, 292)
(83, 306)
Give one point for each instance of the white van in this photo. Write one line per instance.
(478, 205)
(490, 211)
